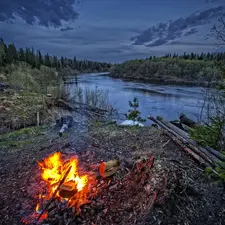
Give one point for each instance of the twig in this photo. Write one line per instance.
(166, 143)
(53, 195)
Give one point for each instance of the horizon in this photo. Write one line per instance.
(111, 31)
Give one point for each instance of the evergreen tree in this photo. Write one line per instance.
(3, 60)
(62, 62)
(21, 55)
(47, 60)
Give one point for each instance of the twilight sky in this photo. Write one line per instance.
(111, 30)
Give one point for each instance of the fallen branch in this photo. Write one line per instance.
(53, 195)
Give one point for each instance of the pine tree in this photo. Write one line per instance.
(47, 60)
(62, 62)
(3, 60)
(21, 55)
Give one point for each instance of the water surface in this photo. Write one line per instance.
(168, 101)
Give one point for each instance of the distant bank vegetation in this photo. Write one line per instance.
(188, 68)
(32, 82)
(9, 54)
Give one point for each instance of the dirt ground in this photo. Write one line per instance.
(188, 196)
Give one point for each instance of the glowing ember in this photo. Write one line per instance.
(74, 188)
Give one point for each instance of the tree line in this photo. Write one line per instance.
(10, 54)
(188, 68)
(210, 56)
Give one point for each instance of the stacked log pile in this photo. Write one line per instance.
(206, 156)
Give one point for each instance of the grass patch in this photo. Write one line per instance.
(28, 131)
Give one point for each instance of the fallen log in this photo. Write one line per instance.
(210, 161)
(186, 149)
(187, 121)
(206, 150)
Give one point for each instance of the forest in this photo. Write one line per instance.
(187, 68)
(10, 54)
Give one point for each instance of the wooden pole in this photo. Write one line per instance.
(184, 141)
(206, 150)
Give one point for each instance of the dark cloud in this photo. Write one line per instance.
(66, 29)
(158, 42)
(186, 43)
(210, 1)
(48, 12)
(190, 32)
(169, 31)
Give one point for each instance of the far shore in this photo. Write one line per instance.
(170, 82)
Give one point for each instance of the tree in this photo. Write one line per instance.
(40, 58)
(218, 31)
(11, 54)
(21, 55)
(47, 60)
(74, 62)
(134, 113)
(3, 59)
(62, 62)
(55, 62)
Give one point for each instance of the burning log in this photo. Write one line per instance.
(107, 169)
(68, 189)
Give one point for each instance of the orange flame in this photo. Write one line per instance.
(53, 170)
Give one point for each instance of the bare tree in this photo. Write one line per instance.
(214, 102)
(218, 31)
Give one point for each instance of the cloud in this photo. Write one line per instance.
(190, 32)
(66, 29)
(44, 12)
(211, 1)
(163, 33)
(186, 43)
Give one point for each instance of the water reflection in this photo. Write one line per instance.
(163, 100)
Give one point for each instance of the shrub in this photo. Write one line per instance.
(134, 113)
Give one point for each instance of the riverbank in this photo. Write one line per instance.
(177, 71)
(184, 194)
(166, 81)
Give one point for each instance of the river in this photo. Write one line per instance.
(168, 101)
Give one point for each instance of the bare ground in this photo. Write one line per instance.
(187, 196)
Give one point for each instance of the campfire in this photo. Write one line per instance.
(66, 184)
(63, 192)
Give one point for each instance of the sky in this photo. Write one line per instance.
(111, 30)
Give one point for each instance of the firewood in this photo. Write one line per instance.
(107, 169)
(54, 194)
(67, 189)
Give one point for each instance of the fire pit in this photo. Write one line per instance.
(66, 186)
(105, 193)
